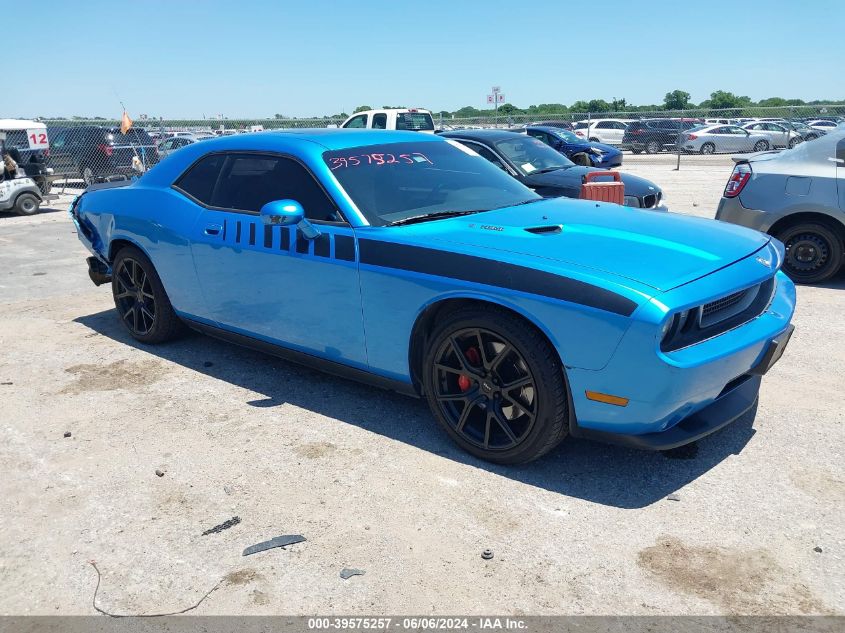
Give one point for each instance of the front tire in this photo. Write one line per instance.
(652, 147)
(708, 148)
(761, 146)
(496, 386)
(813, 252)
(141, 301)
(27, 204)
(87, 175)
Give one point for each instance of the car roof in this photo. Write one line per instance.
(489, 136)
(20, 124)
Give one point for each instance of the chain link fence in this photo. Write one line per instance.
(91, 150)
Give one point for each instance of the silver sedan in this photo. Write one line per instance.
(779, 134)
(722, 139)
(798, 196)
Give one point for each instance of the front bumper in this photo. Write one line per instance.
(736, 399)
(669, 389)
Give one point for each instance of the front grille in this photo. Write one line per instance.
(718, 316)
(714, 308)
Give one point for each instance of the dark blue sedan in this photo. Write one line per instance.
(576, 149)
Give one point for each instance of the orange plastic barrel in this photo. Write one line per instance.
(603, 191)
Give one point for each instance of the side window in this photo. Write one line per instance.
(604, 125)
(379, 121)
(358, 121)
(200, 179)
(487, 154)
(250, 181)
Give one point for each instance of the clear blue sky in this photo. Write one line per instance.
(246, 58)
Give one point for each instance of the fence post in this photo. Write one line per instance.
(678, 143)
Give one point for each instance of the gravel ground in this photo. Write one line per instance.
(748, 521)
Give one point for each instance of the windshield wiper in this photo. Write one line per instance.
(439, 215)
(546, 170)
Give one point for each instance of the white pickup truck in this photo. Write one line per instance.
(392, 119)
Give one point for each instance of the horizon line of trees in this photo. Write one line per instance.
(726, 102)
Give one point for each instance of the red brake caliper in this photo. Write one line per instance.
(464, 382)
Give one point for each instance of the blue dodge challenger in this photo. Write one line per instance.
(410, 262)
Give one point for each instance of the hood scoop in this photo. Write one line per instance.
(550, 229)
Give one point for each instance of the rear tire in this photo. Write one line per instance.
(652, 147)
(794, 141)
(141, 301)
(496, 385)
(761, 146)
(813, 252)
(637, 151)
(27, 204)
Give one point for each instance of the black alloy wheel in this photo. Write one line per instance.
(485, 389)
(134, 298)
(140, 299)
(496, 386)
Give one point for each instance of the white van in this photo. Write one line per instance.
(392, 119)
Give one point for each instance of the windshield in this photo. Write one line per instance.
(415, 121)
(567, 136)
(531, 155)
(395, 181)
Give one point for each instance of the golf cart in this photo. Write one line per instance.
(28, 140)
(18, 192)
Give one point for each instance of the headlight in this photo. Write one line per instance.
(596, 150)
(632, 201)
(677, 324)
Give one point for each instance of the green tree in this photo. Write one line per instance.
(509, 108)
(361, 108)
(721, 99)
(467, 112)
(598, 105)
(677, 100)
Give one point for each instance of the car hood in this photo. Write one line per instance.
(570, 179)
(662, 251)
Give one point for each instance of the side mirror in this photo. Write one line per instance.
(288, 213)
(282, 212)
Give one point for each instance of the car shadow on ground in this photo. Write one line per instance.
(604, 474)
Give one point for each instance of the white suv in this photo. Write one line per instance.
(607, 131)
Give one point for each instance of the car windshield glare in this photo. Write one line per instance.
(530, 154)
(394, 181)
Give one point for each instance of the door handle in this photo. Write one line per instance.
(213, 229)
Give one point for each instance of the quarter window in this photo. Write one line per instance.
(199, 181)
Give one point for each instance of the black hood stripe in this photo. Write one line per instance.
(492, 273)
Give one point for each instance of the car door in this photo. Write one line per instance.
(618, 132)
(270, 282)
(733, 139)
